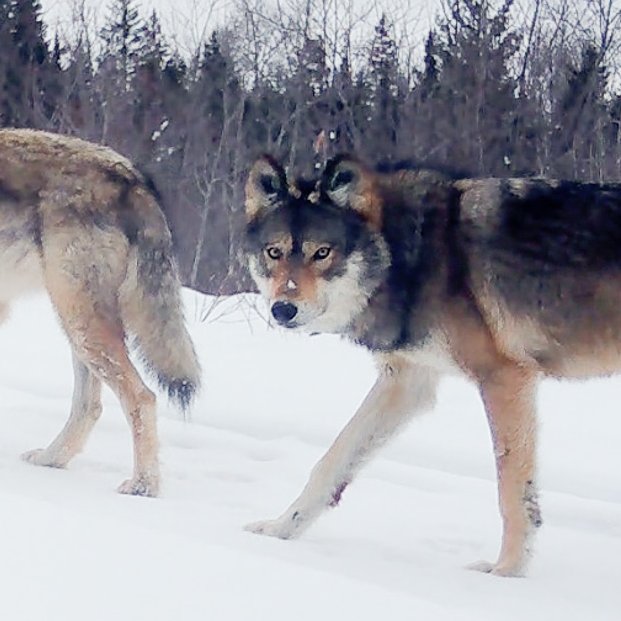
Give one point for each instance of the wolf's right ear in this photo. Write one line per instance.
(266, 183)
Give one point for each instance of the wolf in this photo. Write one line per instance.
(503, 281)
(80, 221)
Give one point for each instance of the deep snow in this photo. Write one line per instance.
(73, 549)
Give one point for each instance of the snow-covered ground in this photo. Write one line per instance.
(73, 549)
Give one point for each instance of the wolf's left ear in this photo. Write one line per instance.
(349, 184)
(266, 183)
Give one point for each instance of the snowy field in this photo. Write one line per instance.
(73, 549)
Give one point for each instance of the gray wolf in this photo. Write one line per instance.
(80, 221)
(504, 281)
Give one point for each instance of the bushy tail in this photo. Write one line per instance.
(151, 305)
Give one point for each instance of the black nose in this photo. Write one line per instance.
(284, 312)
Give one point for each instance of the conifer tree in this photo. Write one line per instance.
(29, 79)
(116, 69)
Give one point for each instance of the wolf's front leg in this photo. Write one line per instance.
(400, 391)
(509, 397)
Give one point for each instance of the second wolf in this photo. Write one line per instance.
(80, 221)
(502, 280)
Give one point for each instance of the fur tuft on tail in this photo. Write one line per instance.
(181, 392)
(152, 308)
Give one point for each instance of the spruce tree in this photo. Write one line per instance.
(30, 81)
(117, 65)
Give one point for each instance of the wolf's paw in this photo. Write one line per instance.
(142, 485)
(41, 457)
(274, 528)
(497, 569)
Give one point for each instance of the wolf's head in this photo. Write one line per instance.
(315, 248)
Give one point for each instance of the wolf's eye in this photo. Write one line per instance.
(274, 253)
(322, 253)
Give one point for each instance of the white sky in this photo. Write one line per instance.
(191, 21)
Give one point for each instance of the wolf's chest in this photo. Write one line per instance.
(435, 352)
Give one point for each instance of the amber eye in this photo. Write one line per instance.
(322, 253)
(274, 253)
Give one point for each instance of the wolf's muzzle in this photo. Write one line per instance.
(284, 312)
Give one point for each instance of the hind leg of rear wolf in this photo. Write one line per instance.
(100, 345)
(85, 411)
(401, 391)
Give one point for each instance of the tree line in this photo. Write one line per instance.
(492, 88)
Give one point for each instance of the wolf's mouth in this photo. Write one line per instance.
(290, 325)
(299, 316)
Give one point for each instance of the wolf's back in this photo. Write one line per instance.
(151, 305)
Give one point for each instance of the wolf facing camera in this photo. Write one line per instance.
(504, 281)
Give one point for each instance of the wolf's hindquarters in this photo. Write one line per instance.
(89, 228)
(82, 289)
(110, 278)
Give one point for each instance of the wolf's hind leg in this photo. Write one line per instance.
(400, 391)
(509, 398)
(84, 270)
(101, 346)
(85, 411)
(96, 334)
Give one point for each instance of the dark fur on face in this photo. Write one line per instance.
(300, 222)
(387, 232)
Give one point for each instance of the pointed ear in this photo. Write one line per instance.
(350, 185)
(266, 183)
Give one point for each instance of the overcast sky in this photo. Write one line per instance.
(190, 21)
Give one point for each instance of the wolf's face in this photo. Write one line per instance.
(314, 249)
